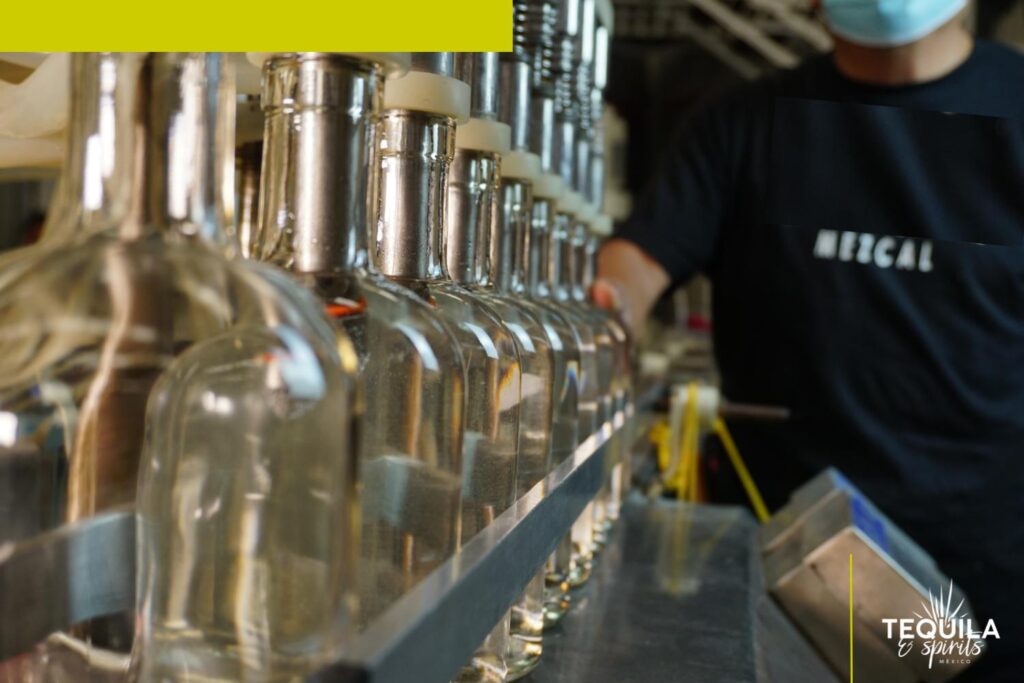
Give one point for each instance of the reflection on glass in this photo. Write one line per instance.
(140, 359)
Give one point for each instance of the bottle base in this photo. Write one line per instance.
(580, 573)
(556, 604)
(523, 666)
(483, 670)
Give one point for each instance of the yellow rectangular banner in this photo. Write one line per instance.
(257, 25)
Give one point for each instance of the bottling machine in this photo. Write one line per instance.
(322, 396)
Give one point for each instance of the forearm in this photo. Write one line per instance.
(637, 278)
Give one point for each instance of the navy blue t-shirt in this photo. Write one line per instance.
(866, 247)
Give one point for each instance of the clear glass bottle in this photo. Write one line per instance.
(595, 393)
(542, 605)
(416, 152)
(209, 392)
(585, 243)
(509, 245)
(320, 151)
(553, 40)
(529, 105)
(622, 474)
(575, 415)
(90, 197)
(485, 239)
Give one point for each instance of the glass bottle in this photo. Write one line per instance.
(621, 475)
(574, 414)
(591, 79)
(485, 238)
(209, 392)
(596, 369)
(585, 244)
(320, 151)
(542, 605)
(554, 39)
(528, 68)
(89, 194)
(90, 197)
(416, 151)
(248, 160)
(510, 245)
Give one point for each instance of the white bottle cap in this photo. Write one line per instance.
(570, 203)
(521, 166)
(618, 204)
(484, 135)
(430, 93)
(602, 225)
(548, 186)
(586, 213)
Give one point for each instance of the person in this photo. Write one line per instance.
(861, 218)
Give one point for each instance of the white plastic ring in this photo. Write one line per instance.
(548, 186)
(431, 93)
(603, 225)
(484, 135)
(522, 166)
(570, 202)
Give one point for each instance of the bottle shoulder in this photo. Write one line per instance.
(374, 311)
(524, 320)
(473, 320)
(155, 293)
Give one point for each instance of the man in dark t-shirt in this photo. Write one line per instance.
(862, 221)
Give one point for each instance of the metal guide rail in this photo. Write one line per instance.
(433, 630)
(87, 570)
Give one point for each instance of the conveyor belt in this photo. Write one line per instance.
(678, 595)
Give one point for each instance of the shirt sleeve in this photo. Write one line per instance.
(678, 217)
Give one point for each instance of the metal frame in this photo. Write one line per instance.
(80, 571)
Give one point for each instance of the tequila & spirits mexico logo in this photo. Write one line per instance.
(942, 634)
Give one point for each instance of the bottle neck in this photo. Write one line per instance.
(578, 238)
(514, 99)
(564, 152)
(538, 269)
(472, 208)
(482, 71)
(560, 257)
(589, 270)
(93, 191)
(416, 152)
(320, 143)
(248, 162)
(542, 130)
(510, 236)
(185, 115)
(150, 147)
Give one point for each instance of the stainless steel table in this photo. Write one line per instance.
(678, 595)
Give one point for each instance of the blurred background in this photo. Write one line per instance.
(667, 57)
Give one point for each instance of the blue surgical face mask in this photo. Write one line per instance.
(887, 23)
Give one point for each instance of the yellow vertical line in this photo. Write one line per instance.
(851, 617)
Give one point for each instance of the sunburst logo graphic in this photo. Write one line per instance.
(945, 634)
(939, 611)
